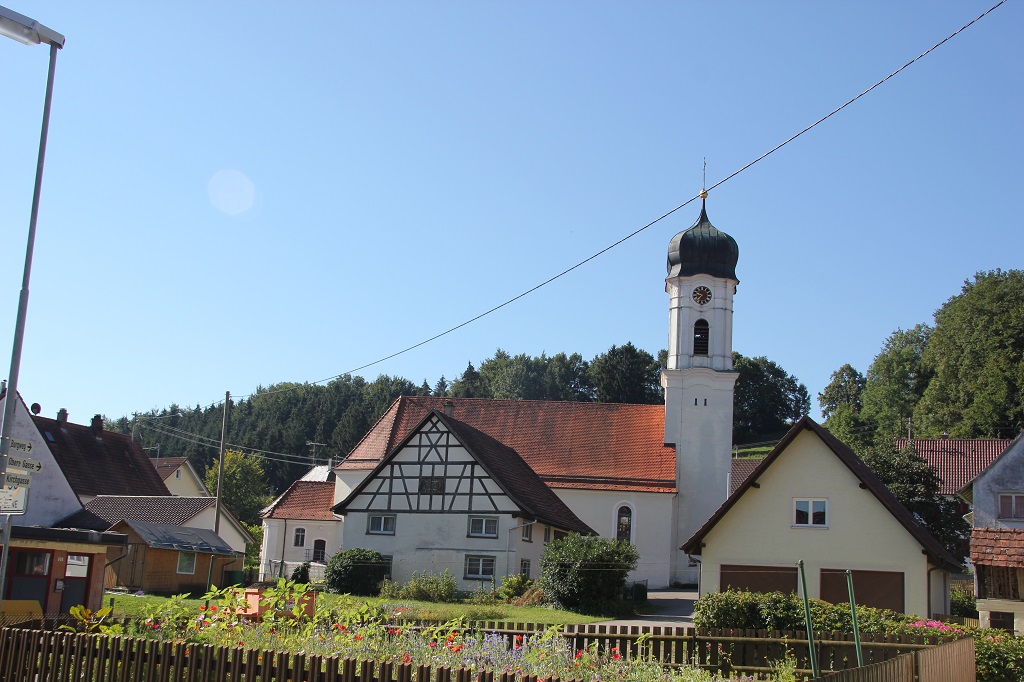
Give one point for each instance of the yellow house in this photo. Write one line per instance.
(813, 499)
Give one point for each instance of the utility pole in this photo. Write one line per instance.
(220, 481)
(314, 446)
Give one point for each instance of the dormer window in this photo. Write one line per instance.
(701, 337)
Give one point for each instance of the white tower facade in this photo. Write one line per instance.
(699, 380)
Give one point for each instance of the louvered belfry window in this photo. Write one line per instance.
(701, 337)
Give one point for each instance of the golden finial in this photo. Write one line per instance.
(704, 180)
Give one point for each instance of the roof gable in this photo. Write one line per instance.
(99, 462)
(501, 464)
(936, 552)
(609, 446)
(1013, 449)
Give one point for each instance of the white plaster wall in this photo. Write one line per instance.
(188, 485)
(652, 525)
(987, 606)
(346, 480)
(278, 537)
(435, 542)
(684, 312)
(861, 534)
(1005, 475)
(229, 532)
(50, 498)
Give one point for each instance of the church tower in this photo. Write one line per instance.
(699, 380)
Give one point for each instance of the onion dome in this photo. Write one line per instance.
(703, 250)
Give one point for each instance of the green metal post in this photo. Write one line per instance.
(811, 653)
(853, 614)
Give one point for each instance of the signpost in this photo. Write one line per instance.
(31, 466)
(18, 445)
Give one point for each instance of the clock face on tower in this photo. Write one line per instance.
(701, 295)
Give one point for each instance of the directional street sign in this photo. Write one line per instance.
(23, 446)
(20, 480)
(24, 463)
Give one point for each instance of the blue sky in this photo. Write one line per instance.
(237, 195)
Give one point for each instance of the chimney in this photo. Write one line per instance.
(97, 425)
(62, 417)
(449, 408)
(945, 435)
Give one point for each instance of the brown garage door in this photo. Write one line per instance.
(880, 589)
(758, 578)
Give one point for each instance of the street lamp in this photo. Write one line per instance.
(30, 32)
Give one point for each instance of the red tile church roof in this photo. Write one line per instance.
(606, 446)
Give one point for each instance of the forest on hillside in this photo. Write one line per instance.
(963, 375)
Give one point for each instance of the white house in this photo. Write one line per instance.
(813, 499)
(451, 497)
(298, 526)
(180, 477)
(997, 539)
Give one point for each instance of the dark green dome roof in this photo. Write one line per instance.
(703, 250)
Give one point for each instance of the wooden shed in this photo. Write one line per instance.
(168, 559)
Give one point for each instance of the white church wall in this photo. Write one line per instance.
(652, 525)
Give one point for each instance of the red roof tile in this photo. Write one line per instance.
(100, 462)
(306, 500)
(741, 469)
(569, 444)
(109, 509)
(956, 461)
(998, 547)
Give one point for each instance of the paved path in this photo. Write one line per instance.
(671, 608)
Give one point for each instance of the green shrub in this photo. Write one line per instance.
(587, 573)
(441, 587)
(301, 573)
(962, 603)
(514, 586)
(355, 571)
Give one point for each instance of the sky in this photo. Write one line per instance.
(237, 195)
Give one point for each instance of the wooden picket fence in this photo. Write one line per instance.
(949, 662)
(27, 655)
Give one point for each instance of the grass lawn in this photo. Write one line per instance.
(132, 606)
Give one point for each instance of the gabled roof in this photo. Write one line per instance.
(99, 462)
(104, 511)
(998, 547)
(178, 538)
(937, 554)
(504, 465)
(306, 500)
(606, 446)
(165, 466)
(956, 461)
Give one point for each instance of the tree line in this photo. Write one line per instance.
(296, 425)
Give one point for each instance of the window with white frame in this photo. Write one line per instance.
(524, 568)
(479, 567)
(299, 539)
(547, 534)
(483, 527)
(528, 533)
(810, 512)
(177, 473)
(381, 524)
(187, 562)
(1011, 505)
(624, 524)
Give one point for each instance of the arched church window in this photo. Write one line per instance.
(624, 524)
(701, 335)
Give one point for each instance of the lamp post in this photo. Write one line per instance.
(30, 32)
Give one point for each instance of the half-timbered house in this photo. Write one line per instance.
(452, 497)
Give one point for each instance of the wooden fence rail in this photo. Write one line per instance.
(949, 662)
(46, 655)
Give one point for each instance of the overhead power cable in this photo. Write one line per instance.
(653, 222)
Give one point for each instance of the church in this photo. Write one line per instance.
(478, 487)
